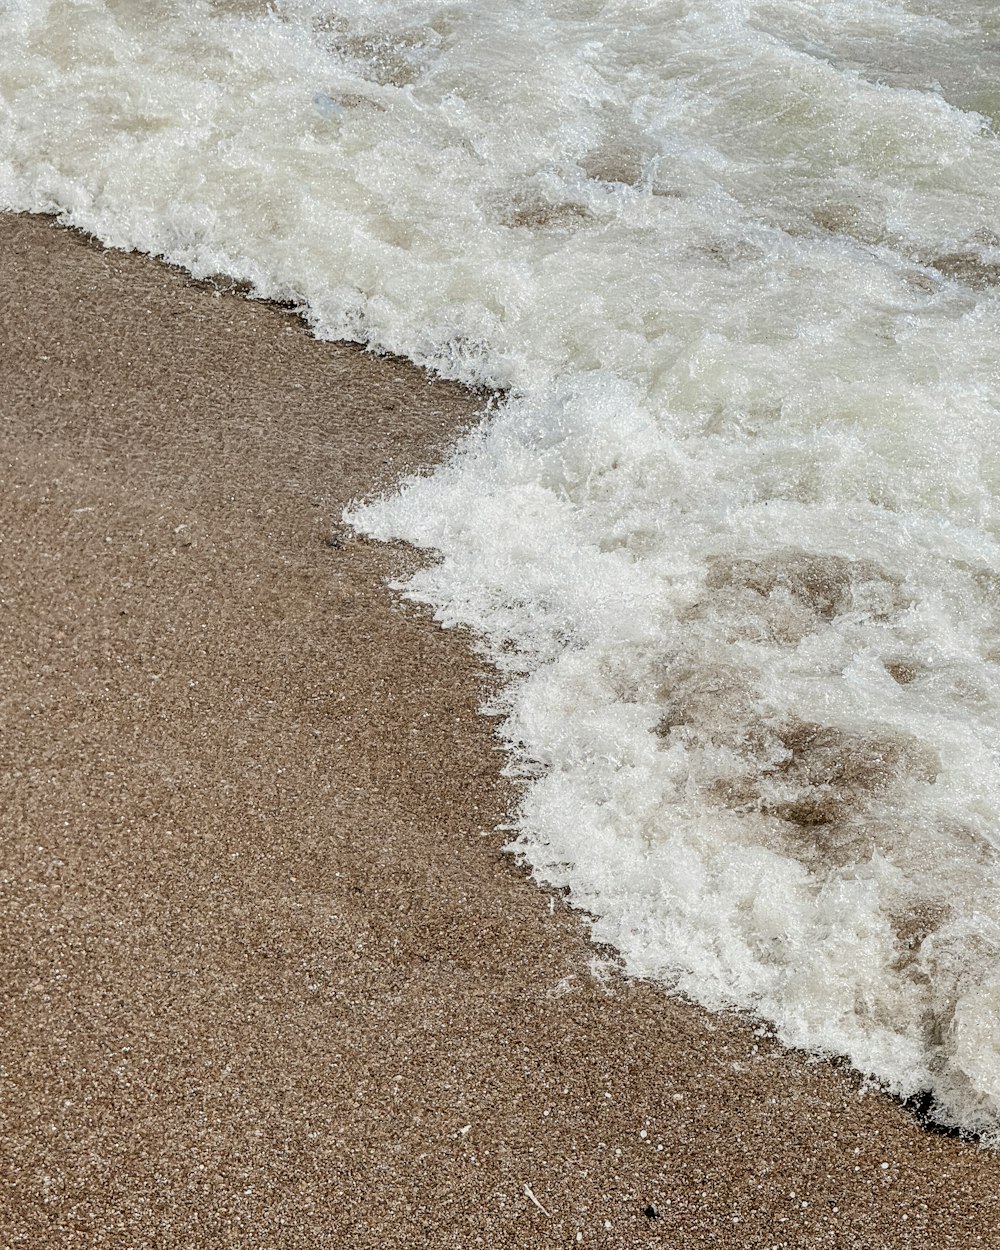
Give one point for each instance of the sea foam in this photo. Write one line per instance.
(731, 532)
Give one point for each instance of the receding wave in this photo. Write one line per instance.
(732, 532)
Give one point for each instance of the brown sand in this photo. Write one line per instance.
(267, 983)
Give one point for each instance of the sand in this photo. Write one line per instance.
(270, 979)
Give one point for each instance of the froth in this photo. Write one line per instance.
(732, 533)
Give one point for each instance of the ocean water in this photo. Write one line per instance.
(732, 532)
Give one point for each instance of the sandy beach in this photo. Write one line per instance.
(270, 979)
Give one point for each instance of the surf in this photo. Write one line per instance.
(730, 532)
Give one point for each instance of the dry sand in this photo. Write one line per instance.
(269, 979)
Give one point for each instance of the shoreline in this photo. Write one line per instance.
(272, 978)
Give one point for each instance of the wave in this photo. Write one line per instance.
(731, 533)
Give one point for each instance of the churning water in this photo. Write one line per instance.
(733, 531)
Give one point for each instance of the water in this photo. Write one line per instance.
(732, 532)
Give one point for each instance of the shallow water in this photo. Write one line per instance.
(733, 532)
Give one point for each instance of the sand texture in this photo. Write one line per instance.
(269, 979)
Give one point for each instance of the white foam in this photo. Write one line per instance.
(733, 533)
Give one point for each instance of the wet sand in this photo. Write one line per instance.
(270, 980)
